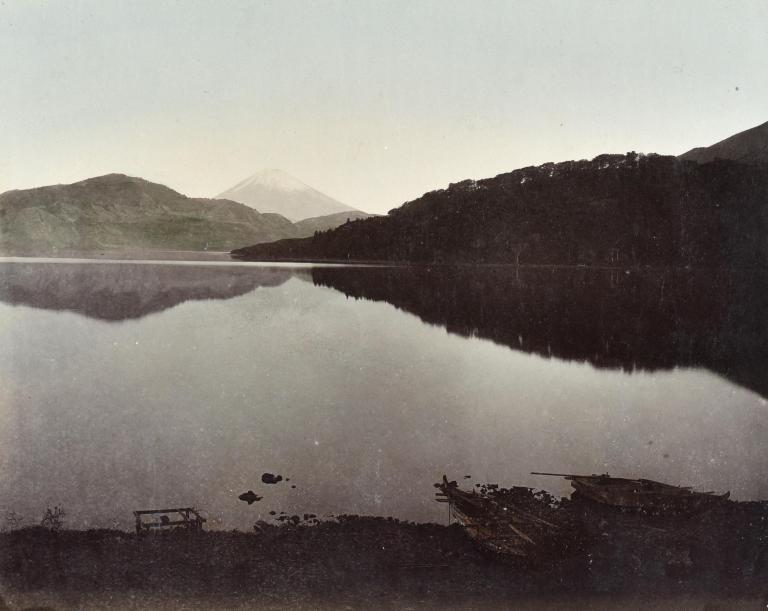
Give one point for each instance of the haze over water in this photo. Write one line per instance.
(129, 386)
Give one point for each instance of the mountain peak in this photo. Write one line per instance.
(273, 178)
(274, 190)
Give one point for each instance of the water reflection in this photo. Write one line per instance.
(609, 318)
(121, 291)
(361, 405)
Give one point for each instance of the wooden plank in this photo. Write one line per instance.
(168, 523)
(176, 510)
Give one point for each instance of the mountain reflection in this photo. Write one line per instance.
(609, 318)
(121, 291)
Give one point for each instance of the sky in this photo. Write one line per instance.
(373, 103)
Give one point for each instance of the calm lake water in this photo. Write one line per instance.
(139, 385)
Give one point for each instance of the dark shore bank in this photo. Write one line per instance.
(718, 561)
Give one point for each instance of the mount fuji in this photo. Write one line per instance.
(277, 191)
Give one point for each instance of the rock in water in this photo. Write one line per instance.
(250, 497)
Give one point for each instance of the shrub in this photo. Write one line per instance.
(53, 518)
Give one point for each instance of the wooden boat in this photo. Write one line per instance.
(509, 521)
(640, 494)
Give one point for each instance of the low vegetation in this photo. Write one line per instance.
(369, 562)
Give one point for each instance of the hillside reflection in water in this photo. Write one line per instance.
(609, 318)
(126, 386)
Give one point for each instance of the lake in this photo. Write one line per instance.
(132, 385)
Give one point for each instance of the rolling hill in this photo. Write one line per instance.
(117, 211)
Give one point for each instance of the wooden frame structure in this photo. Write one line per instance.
(189, 520)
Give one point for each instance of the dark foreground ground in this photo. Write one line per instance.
(718, 561)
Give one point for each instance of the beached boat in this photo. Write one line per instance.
(640, 494)
(515, 521)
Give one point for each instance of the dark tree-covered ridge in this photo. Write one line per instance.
(615, 210)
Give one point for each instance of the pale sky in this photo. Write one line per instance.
(373, 103)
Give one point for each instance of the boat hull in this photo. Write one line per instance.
(646, 497)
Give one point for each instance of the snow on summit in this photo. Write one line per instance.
(277, 191)
(273, 179)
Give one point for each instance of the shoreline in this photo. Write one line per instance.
(195, 256)
(376, 562)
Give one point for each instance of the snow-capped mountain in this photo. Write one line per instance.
(277, 191)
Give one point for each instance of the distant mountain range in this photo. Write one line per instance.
(708, 207)
(749, 146)
(615, 210)
(279, 192)
(122, 212)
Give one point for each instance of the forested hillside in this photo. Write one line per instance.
(615, 210)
